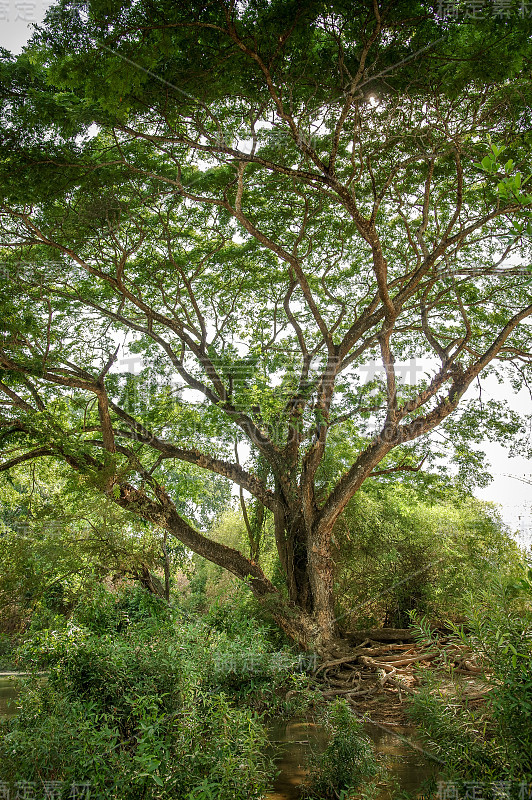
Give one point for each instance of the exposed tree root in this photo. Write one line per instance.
(373, 676)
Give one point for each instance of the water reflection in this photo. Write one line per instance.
(294, 741)
(407, 765)
(8, 697)
(406, 762)
(10, 689)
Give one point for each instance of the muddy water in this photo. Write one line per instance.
(293, 741)
(8, 696)
(9, 690)
(407, 765)
(406, 762)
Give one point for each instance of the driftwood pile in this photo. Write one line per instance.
(389, 662)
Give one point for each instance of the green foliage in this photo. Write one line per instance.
(250, 284)
(161, 708)
(60, 539)
(208, 582)
(253, 659)
(211, 589)
(511, 182)
(104, 612)
(500, 628)
(99, 193)
(457, 735)
(399, 551)
(8, 645)
(348, 760)
(494, 743)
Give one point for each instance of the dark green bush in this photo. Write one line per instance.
(348, 760)
(397, 552)
(8, 644)
(500, 629)
(455, 734)
(156, 708)
(105, 612)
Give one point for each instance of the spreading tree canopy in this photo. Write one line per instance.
(275, 208)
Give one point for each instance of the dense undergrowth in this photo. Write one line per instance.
(145, 701)
(487, 745)
(155, 701)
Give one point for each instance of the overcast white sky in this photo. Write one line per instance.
(514, 496)
(16, 17)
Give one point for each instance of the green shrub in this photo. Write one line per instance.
(347, 761)
(161, 707)
(105, 612)
(495, 742)
(500, 629)
(165, 755)
(397, 552)
(8, 645)
(457, 735)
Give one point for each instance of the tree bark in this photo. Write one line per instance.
(166, 571)
(307, 559)
(321, 577)
(149, 581)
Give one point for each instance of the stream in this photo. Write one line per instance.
(8, 695)
(9, 691)
(403, 758)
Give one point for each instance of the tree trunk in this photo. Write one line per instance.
(321, 569)
(166, 571)
(309, 567)
(307, 615)
(299, 588)
(149, 581)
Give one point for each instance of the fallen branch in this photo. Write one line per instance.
(349, 692)
(383, 649)
(383, 635)
(336, 663)
(388, 678)
(481, 695)
(400, 685)
(405, 661)
(471, 671)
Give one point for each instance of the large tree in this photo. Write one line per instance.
(266, 202)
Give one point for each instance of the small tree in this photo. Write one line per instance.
(261, 200)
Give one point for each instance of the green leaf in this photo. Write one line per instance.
(497, 150)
